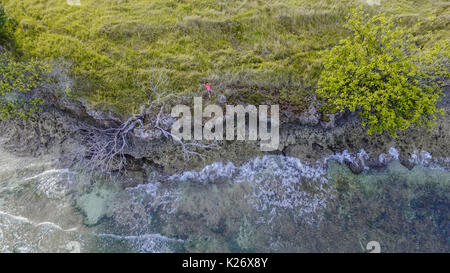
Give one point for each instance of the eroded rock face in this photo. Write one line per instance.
(310, 117)
(313, 143)
(56, 130)
(246, 195)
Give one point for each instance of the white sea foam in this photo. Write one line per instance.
(394, 153)
(53, 183)
(20, 234)
(358, 159)
(213, 172)
(149, 243)
(23, 220)
(422, 158)
(156, 196)
(280, 184)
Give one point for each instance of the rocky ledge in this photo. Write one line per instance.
(57, 130)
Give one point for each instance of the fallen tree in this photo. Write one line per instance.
(105, 150)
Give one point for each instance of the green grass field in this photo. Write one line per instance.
(254, 51)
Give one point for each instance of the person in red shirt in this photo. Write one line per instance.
(208, 88)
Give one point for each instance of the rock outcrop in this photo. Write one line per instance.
(56, 130)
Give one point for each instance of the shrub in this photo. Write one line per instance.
(17, 81)
(382, 71)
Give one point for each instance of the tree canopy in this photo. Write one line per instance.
(383, 71)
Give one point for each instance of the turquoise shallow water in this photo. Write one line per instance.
(269, 204)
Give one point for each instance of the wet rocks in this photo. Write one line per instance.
(407, 163)
(354, 167)
(331, 120)
(221, 227)
(310, 117)
(374, 162)
(56, 129)
(132, 179)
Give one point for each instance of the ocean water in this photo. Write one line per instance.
(269, 204)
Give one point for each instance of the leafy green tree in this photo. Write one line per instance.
(382, 71)
(17, 81)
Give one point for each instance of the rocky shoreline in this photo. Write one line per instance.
(56, 130)
(228, 200)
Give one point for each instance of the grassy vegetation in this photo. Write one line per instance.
(254, 51)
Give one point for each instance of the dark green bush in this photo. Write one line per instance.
(17, 81)
(381, 70)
